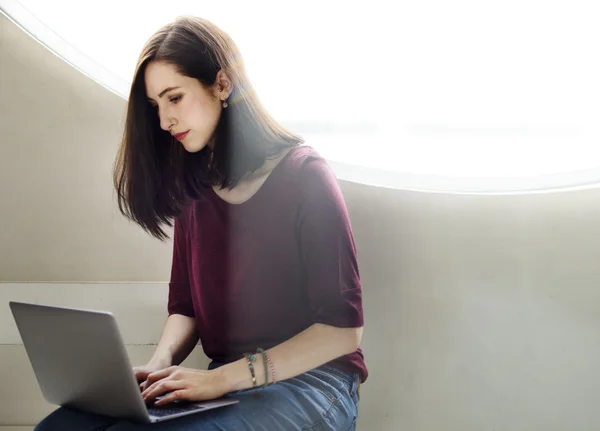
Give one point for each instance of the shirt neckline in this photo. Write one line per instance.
(264, 185)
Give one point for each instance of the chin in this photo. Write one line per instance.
(193, 147)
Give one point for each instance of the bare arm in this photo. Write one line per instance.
(178, 339)
(311, 348)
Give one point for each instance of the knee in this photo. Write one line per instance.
(63, 419)
(49, 423)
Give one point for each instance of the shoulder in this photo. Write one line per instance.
(313, 179)
(307, 164)
(303, 154)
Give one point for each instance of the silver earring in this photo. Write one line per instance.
(225, 105)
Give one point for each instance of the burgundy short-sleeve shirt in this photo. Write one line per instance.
(256, 274)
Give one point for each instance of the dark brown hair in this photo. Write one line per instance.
(154, 177)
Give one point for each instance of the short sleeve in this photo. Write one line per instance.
(328, 248)
(180, 298)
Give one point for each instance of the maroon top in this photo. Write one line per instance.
(256, 274)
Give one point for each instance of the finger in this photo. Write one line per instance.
(140, 374)
(181, 394)
(150, 388)
(158, 389)
(140, 377)
(162, 388)
(158, 376)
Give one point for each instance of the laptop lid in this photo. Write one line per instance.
(80, 361)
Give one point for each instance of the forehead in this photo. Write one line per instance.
(159, 76)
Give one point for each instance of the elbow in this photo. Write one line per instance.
(354, 339)
(347, 340)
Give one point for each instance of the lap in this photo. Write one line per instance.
(322, 399)
(71, 420)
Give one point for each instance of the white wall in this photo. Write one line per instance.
(482, 313)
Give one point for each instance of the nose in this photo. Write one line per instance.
(166, 121)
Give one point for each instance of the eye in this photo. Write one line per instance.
(175, 99)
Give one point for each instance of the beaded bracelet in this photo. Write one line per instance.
(272, 367)
(266, 365)
(250, 359)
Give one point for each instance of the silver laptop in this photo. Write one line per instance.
(80, 362)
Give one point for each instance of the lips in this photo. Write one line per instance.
(180, 136)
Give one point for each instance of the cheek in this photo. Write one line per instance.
(200, 112)
(190, 110)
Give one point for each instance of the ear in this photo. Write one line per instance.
(223, 86)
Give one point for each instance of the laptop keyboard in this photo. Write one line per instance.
(172, 409)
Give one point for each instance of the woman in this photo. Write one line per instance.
(264, 269)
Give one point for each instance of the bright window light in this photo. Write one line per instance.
(461, 96)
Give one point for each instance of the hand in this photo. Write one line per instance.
(142, 372)
(184, 384)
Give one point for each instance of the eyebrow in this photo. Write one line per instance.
(162, 93)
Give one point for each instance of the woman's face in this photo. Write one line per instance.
(186, 109)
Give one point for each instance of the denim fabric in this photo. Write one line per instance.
(325, 398)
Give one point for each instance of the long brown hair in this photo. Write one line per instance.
(154, 178)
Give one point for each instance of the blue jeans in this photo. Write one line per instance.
(325, 398)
